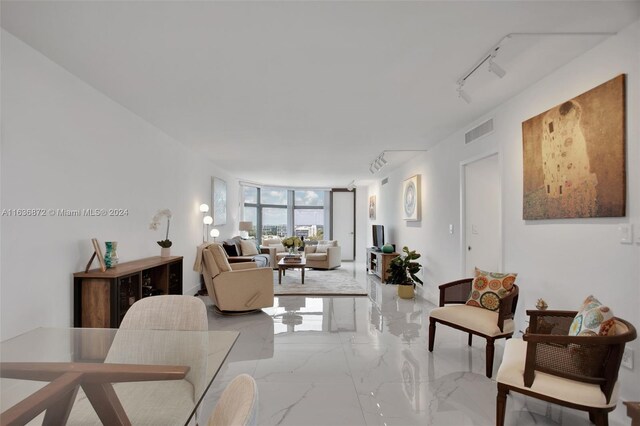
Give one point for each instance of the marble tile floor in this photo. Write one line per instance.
(364, 361)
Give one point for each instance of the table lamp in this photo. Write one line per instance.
(245, 227)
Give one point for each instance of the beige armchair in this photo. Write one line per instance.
(324, 255)
(274, 249)
(238, 287)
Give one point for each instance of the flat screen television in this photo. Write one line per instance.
(378, 236)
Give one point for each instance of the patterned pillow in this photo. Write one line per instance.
(488, 288)
(593, 319)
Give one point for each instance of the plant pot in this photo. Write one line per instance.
(165, 251)
(406, 291)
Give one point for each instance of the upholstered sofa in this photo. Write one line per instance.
(325, 254)
(239, 250)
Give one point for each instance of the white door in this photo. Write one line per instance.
(343, 218)
(482, 246)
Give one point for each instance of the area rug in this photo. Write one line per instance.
(336, 282)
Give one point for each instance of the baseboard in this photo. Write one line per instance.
(192, 291)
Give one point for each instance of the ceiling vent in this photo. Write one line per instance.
(385, 181)
(479, 131)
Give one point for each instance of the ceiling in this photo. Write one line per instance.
(307, 93)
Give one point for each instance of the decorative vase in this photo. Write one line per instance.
(111, 254)
(406, 291)
(165, 251)
(387, 248)
(292, 250)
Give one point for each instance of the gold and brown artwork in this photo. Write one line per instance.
(574, 157)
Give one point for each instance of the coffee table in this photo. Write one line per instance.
(283, 266)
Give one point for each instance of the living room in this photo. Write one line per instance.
(70, 142)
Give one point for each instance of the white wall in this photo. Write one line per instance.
(66, 145)
(561, 260)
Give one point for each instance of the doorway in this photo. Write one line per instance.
(343, 221)
(481, 214)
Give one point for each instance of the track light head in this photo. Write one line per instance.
(384, 162)
(496, 69)
(464, 95)
(371, 169)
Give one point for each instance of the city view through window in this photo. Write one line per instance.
(276, 212)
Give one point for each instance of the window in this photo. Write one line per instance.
(308, 215)
(277, 212)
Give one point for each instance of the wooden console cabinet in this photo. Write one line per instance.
(378, 263)
(101, 299)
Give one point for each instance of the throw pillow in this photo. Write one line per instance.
(230, 249)
(248, 247)
(593, 319)
(322, 248)
(279, 247)
(488, 288)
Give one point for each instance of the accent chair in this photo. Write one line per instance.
(578, 372)
(490, 325)
(236, 288)
(326, 254)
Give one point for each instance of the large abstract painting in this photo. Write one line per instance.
(219, 201)
(574, 157)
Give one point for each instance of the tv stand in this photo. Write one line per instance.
(378, 263)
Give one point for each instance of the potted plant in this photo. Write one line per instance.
(402, 271)
(165, 244)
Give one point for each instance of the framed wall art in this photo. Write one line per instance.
(411, 198)
(372, 207)
(219, 201)
(574, 157)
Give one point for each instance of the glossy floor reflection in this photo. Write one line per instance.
(364, 360)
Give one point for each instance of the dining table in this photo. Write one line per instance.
(89, 376)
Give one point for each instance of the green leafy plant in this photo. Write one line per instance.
(403, 269)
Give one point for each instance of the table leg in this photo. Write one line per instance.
(58, 414)
(106, 403)
(279, 275)
(303, 268)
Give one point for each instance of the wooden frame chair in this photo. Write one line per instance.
(578, 372)
(490, 325)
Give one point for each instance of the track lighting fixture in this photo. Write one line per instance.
(496, 69)
(377, 164)
(463, 95)
(491, 54)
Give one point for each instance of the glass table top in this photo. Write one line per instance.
(159, 376)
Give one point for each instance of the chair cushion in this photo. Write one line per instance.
(330, 243)
(249, 247)
(511, 373)
(220, 257)
(593, 319)
(316, 256)
(488, 288)
(322, 248)
(477, 319)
